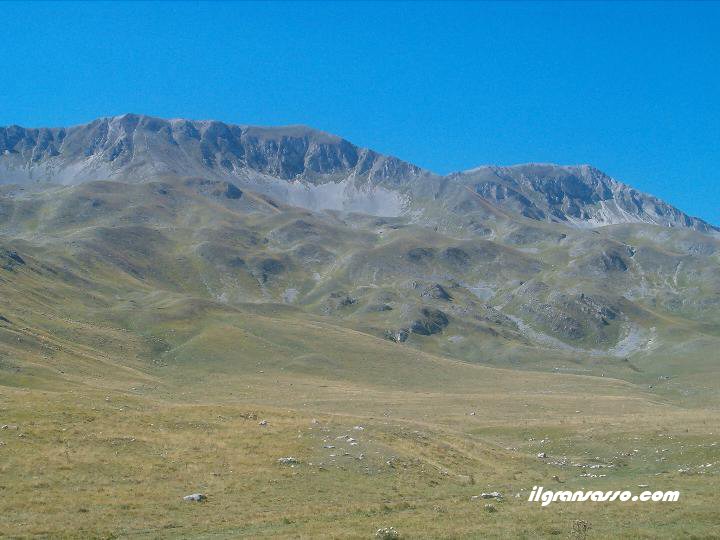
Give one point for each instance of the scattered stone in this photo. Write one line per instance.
(542, 455)
(437, 292)
(288, 461)
(490, 508)
(491, 495)
(339, 300)
(195, 497)
(387, 533)
(262, 423)
(358, 428)
(398, 336)
(580, 528)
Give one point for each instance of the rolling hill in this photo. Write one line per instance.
(167, 285)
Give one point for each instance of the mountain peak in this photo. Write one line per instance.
(136, 147)
(578, 195)
(134, 121)
(307, 167)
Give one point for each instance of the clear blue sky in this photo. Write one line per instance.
(633, 89)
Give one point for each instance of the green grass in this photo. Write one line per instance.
(116, 463)
(138, 361)
(111, 453)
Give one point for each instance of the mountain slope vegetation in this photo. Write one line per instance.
(186, 303)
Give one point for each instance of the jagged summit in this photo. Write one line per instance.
(135, 147)
(579, 195)
(306, 167)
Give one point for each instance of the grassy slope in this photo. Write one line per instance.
(109, 446)
(126, 385)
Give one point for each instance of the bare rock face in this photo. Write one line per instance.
(463, 256)
(139, 148)
(304, 167)
(580, 196)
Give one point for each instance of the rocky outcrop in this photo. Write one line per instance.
(11, 259)
(431, 321)
(398, 336)
(581, 196)
(305, 167)
(137, 147)
(436, 292)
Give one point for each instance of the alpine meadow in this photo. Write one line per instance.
(322, 341)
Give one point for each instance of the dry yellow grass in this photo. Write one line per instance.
(120, 412)
(89, 462)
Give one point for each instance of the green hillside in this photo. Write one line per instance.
(146, 331)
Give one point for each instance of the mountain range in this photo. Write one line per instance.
(311, 339)
(495, 264)
(312, 169)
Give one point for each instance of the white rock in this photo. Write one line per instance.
(387, 533)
